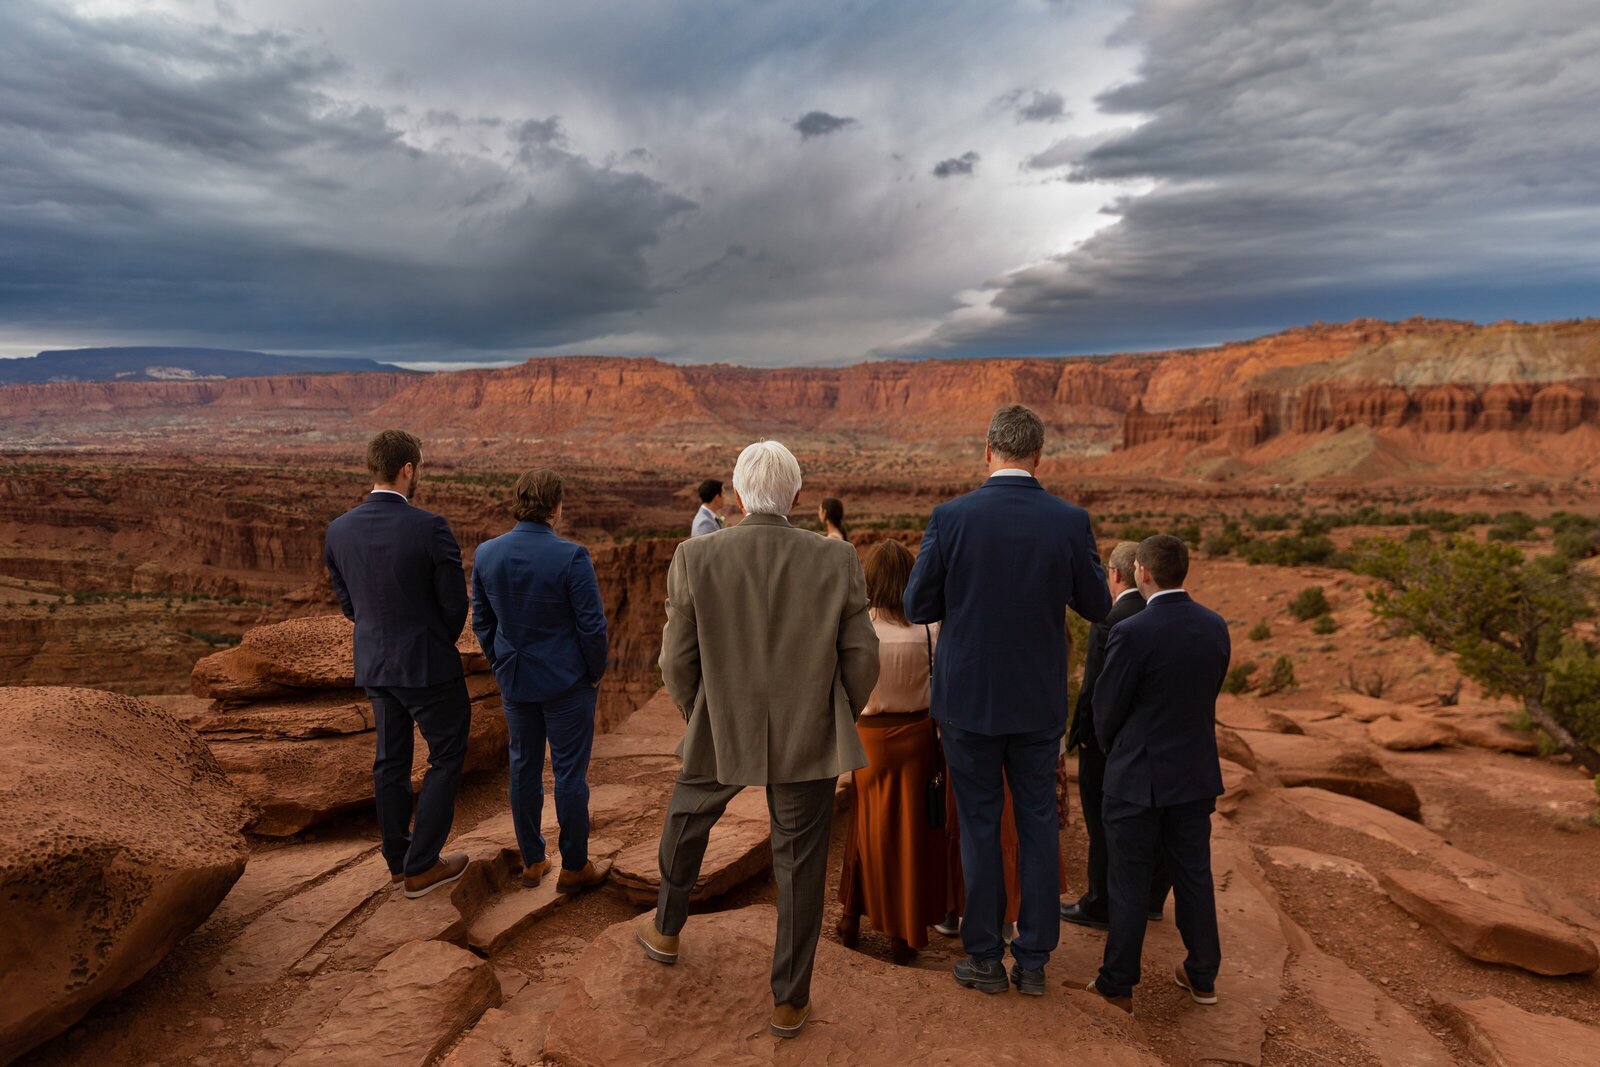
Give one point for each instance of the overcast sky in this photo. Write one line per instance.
(771, 182)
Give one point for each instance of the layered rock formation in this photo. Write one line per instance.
(120, 835)
(288, 725)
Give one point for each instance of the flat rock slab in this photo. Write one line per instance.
(120, 835)
(1363, 708)
(343, 711)
(265, 950)
(1502, 1035)
(1359, 1008)
(1491, 930)
(412, 1006)
(1409, 735)
(274, 874)
(514, 1032)
(1292, 858)
(658, 716)
(740, 849)
(1340, 768)
(1248, 713)
(714, 1005)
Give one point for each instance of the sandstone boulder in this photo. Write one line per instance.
(1247, 713)
(121, 834)
(713, 1007)
(740, 849)
(416, 1001)
(1336, 767)
(1506, 1036)
(1495, 931)
(1410, 734)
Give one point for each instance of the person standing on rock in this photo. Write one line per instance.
(998, 569)
(709, 518)
(536, 611)
(1092, 909)
(396, 570)
(770, 654)
(1155, 713)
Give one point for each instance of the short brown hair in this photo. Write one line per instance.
(888, 568)
(1016, 432)
(1122, 560)
(1166, 558)
(391, 450)
(537, 495)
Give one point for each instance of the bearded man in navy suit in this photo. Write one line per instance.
(998, 569)
(1155, 714)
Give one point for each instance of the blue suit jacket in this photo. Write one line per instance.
(1155, 703)
(998, 569)
(396, 570)
(537, 613)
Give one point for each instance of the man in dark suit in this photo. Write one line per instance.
(998, 569)
(1091, 909)
(1155, 710)
(397, 572)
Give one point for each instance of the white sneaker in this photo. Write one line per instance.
(1008, 933)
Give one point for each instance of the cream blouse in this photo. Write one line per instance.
(903, 682)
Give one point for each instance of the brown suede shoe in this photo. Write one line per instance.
(446, 870)
(657, 945)
(532, 876)
(578, 881)
(396, 879)
(1122, 1003)
(1198, 995)
(787, 1020)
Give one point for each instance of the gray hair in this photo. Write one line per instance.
(1016, 432)
(767, 478)
(1122, 560)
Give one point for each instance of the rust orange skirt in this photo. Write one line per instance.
(894, 866)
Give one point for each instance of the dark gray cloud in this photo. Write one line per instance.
(1036, 105)
(964, 164)
(820, 124)
(1293, 161)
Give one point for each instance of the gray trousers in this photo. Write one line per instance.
(802, 818)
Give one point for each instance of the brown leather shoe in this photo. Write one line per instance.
(578, 881)
(787, 1020)
(396, 879)
(1198, 995)
(446, 869)
(1122, 1003)
(657, 945)
(533, 875)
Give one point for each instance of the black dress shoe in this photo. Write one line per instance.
(1028, 983)
(1074, 913)
(987, 976)
(1155, 916)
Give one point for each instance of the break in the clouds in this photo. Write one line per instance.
(424, 182)
(820, 124)
(964, 164)
(1291, 162)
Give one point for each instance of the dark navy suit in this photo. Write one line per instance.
(998, 569)
(537, 613)
(396, 570)
(1155, 709)
(1092, 767)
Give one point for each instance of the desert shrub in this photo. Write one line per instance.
(1216, 545)
(1189, 534)
(1512, 526)
(1309, 603)
(1238, 679)
(1374, 684)
(1280, 677)
(1421, 533)
(1291, 551)
(1260, 631)
(1315, 526)
(1269, 522)
(1136, 531)
(1325, 624)
(1578, 541)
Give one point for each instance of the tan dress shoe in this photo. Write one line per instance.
(532, 876)
(788, 1020)
(1199, 996)
(446, 870)
(578, 881)
(658, 946)
(1120, 1003)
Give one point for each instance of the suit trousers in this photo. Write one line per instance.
(1091, 780)
(567, 723)
(981, 766)
(1138, 836)
(443, 713)
(802, 820)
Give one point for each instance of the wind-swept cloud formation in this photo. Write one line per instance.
(820, 124)
(1290, 162)
(965, 163)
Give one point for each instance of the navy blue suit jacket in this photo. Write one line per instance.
(1155, 703)
(537, 613)
(1094, 659)
(396, 570)
(997, 570)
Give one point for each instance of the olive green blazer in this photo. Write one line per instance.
(769, 653)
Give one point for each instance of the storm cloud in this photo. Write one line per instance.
(1290, 162)
(820, 124)
(964, 164)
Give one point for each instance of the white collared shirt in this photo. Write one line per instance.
(396, 492)
(1011, 472)
(1128, 592)
(1151, 599)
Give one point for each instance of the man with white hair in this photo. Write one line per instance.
(770, 655)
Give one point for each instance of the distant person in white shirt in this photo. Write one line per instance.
(709, 518)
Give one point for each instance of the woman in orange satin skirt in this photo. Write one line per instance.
(893, 871)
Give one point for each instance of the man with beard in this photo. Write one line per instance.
(397, 572)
